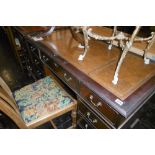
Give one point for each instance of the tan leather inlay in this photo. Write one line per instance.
(98, 54)
(133, 74)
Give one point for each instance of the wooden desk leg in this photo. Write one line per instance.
(74, 114)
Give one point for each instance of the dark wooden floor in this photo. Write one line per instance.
(15, 78)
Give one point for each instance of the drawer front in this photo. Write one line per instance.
(83, 124)
(34, 50)
(70, 80)
(37, 66)
(91, 117)
(51, 64)
(38, 72)
(37, 62)
(109, 114)
(61, 73)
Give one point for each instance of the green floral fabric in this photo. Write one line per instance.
(40, 99)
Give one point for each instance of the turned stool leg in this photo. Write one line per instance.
(73, 114)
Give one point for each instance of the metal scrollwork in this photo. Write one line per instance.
(118, 39)
(39, 36)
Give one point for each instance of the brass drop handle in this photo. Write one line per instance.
(29, 68)
(67, 79)
(91, 100)
(45, 58)
(86, 126)
(36, 62)
(56, 65)
(92, 120)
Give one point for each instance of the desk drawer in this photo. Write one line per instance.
(70, 80)
(91, 117)
(51, 64)
(34, 50)
(36, 60)
(60, 72)
(108, 114)
(83, 124)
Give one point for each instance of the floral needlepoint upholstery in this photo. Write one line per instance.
(40, 99)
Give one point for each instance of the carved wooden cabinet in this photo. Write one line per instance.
(36, 66)
(18, 45)
(27, 55)
(97, 107)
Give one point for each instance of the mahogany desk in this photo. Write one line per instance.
(100, 103)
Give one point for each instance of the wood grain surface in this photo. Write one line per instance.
(100, 63)
(98, 54)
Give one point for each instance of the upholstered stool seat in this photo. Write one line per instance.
(41, 102)
(40, 99)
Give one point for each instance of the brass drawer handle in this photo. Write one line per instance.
(91, 100)
(56, 65)
(45, 58)
(92, 120)
(67, 79)
(86, 126)
(36, 62)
